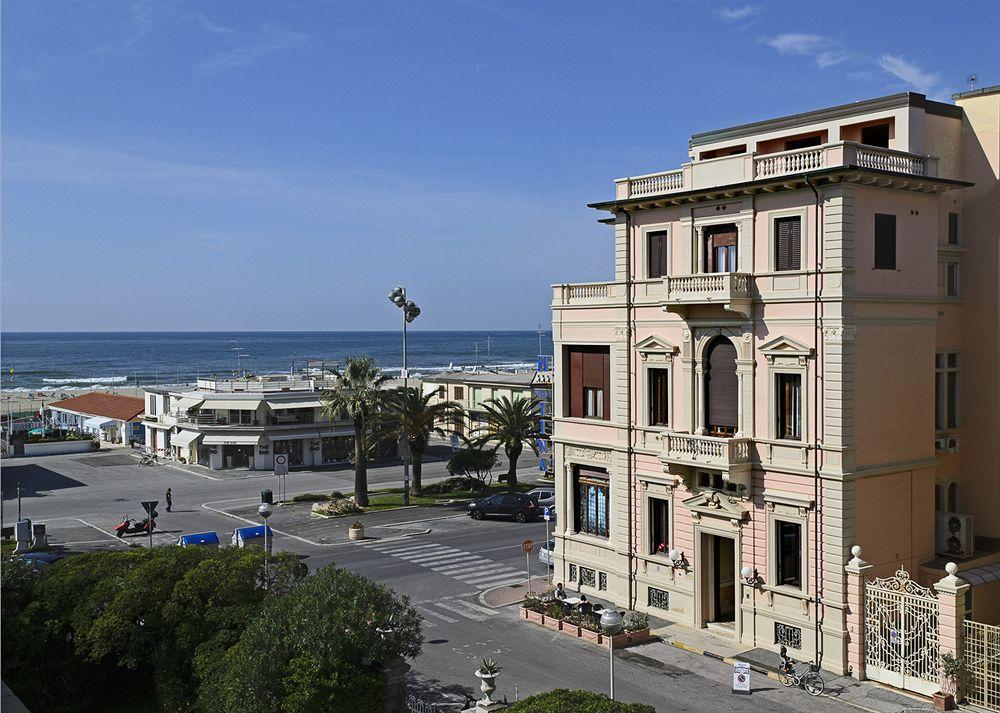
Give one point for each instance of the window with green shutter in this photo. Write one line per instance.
(788, 243)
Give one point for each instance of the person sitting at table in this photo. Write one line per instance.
(560, 592)
(584, 607)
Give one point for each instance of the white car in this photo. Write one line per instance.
(547, 553)
(545, 497)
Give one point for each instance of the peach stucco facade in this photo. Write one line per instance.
(825, 433)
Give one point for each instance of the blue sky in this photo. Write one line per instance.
(245, 166)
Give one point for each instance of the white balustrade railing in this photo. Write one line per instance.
(886, 160)
(719, 285)
(788, 162)
(708, 449)
(587, 293)
(655, 183)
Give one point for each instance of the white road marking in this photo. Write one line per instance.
(492, 585)
(453, 607)
(440, 616)
(479, 581)
(474, 607)
(478, 564)
(431, 560)
(496, 570)
(400, 547)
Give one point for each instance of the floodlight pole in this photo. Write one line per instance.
(406, 430)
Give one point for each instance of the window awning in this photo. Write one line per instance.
(184, 438)
(231, 439)
(98, 422)
(981, 575)
(314, 402)
(186, 402)
(234, 404)
(295, 434)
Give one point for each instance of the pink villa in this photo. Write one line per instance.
(798, 354)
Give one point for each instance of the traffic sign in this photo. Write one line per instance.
(527, 546)
(150, 506)
(741, 677)
(280, 464)
(547, 513)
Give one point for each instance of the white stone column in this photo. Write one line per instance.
(699, 236)
(569, 499)
(739, 403)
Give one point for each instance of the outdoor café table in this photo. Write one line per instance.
(571, 601)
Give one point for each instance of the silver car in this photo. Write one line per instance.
(545, 497)
(547, 553)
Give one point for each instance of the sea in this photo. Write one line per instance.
(79, 361)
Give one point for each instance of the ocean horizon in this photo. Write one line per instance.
(87, 360)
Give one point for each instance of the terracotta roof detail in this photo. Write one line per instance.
(121, 408)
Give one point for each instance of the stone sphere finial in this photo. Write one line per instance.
(951, 568)
(856, 551)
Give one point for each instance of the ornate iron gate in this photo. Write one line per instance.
(901, 634)
(981, 654)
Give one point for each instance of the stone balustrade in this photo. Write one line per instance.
(655, 183)
(588, 293)
(780, 164)
(690, 449)
(730, 289)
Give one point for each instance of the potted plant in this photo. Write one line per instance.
(532, 608)
(951, 669)
(590, 629)
(571, 624)
(487, 672)
(553, 616)
(357, 531)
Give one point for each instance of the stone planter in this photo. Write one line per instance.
(356, 533)
(588, 635)
(552, 623)
(620, 641)
(571, 629)
(487, 686)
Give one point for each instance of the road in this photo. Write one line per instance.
(441, 559)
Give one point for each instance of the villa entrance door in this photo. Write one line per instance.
(719, 579)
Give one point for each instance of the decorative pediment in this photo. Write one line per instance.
(785, 347)
(655, 345)
(716, 504)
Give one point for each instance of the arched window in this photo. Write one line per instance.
(721, 388)
(938, 497)
(953, 497)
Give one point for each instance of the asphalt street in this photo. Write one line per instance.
(438, 557)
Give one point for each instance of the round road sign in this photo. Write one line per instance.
(527, 546)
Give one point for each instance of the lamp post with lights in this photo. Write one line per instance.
(410, 313)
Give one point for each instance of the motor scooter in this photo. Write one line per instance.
(128, 526)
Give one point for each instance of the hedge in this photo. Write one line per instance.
(565, 701)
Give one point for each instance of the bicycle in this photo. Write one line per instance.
(147, 459)
(809, 680)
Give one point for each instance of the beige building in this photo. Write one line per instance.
(797, 354)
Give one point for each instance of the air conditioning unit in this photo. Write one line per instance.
(953, 534)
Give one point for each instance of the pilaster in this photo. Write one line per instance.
(951, 593)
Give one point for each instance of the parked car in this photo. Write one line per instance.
(519, 506)
(543, 496)
(547, 553)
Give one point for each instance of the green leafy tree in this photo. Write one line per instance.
(359, 395)
(476, 464)
(565, 701)
(509, 425)
(423, 420)
(319, 649)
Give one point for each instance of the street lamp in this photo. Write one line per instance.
(265, 512)
(750, 575)
(611, 622)
(410, 313)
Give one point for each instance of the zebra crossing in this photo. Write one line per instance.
(475, 570)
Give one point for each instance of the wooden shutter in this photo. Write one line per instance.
(722, 385)
(575, 400)
(953, 228)
(885, 242)
(789, 244)
(656, 248)
(606, 383)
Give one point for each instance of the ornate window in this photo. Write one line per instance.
(572, 572)
(786, 635)
(602, 580)
(591, 506)
(588, 577)
(658, 598)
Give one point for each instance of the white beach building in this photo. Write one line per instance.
(244, 423)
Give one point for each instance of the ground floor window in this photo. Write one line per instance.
(291, 448)
(572, 572)
(337, 448)
(588, 577)
(788, 540)
(591, 514)
(659, 526)
(659, 598)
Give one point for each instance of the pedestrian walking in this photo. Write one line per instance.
(169, 499)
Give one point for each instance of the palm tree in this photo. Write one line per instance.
(509, 424)
(358, 394)
(423, 419)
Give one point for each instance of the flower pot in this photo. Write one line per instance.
(944, 701)
(356, 533)
(487, 686)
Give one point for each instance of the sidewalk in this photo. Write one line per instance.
(865, 695)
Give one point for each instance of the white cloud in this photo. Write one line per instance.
(824, 51)
(911, 74)
(271, 39)
(733, 13)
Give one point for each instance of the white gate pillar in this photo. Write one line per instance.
(951, 622)
(856, 570)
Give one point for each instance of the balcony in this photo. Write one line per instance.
(588, 294)
(732, 290)
(707, 451)
(729, 170)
